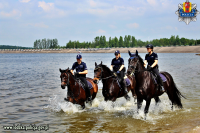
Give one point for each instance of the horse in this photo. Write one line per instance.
(146, 88)
(111, 89)
(76, 93)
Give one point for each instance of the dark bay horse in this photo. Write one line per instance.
(146, 88)
(111, 90)
(76, 94)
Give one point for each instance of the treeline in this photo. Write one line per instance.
(13, 47)
(131, 41)
(46, 43)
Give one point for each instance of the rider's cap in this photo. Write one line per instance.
(117, 52)
(78, 56)
(149, 46)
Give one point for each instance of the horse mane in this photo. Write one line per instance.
(68, 70)
(105, 67)
(141, 60)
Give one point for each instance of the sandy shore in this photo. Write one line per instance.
(178, 49)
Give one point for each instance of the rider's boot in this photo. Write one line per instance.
(124, 86)
(88, 95)
(161, 84)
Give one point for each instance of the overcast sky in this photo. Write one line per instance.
(24, 21)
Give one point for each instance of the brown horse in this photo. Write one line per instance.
(111, 89)
(146, 88)
(76, 94)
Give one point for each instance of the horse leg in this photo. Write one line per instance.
(157, 99)
(127, 97)
(134, 95)
(172, 106)
(146, 109)
(113, 101)
(82, 105)
(139, 104)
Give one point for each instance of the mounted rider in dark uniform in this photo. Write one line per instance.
(81, 71)
(117, 65)
(152, 59)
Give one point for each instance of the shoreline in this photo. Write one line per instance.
(171, 49)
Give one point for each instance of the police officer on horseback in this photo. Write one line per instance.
(152, 59)
(117, 65)
(81, 71)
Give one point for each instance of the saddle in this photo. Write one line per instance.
(83, 85)
(128, 82)
(155, 78)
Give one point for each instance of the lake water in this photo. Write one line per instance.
(30, 93)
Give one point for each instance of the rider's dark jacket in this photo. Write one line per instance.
(117, 63)
(151, 58)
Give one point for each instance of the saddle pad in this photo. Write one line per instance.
(162, 77)
(89, 85)
(128, 82)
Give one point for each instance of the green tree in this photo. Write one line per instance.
(133, 42)
(116, 42)
(121, 42)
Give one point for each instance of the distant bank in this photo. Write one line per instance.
(177, 49)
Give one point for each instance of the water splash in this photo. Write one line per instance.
(120, 106)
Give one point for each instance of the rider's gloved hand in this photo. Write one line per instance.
(118, 71)
(76, 73)
(149, 68)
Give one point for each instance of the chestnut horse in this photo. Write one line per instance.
(146, 88)
(111, 89)
(76, 94)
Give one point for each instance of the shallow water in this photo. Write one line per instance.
(31, 94)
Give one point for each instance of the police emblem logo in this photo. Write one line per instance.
(187, 12)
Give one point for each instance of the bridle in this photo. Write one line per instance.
(133, 67)
(100, 77)
(67, 84)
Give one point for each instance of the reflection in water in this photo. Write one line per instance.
(31, 94)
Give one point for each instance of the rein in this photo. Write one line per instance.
(100, 77)
(67, 84)
(136, 71)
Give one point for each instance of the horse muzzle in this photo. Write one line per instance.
(62, 86)
(96, 80)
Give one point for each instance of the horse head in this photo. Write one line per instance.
(133, 62)
(97, 72)
(64, 77)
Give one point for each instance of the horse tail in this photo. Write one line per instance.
(176, 94)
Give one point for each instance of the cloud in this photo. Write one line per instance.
(101, 31)
(92, 3)
(51, 10)
(152, 2)
(24, 1)
(46, 6)
(112, 26)
(13, 13)
(39, 25)
(133, 25)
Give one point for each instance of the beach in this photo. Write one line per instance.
(171, 49)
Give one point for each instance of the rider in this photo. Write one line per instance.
(152, 59)
(117, 65)
(81, 71)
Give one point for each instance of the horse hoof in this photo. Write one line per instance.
(127, 98)
(66, 99)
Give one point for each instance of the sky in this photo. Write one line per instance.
(24, 21)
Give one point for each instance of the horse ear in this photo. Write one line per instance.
(101, 62)
(59, 69)
(95, 64)
(129, 53)
(136, 53)
(68, 68)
